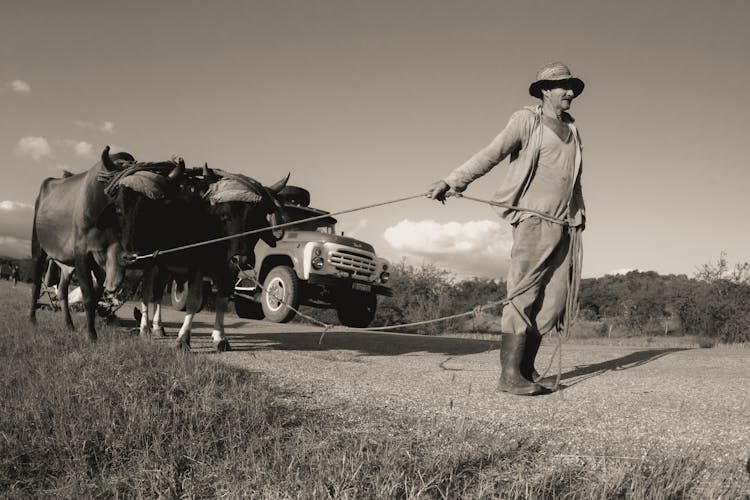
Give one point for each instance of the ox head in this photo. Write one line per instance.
(138, 199)
(240, 204)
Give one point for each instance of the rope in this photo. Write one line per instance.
(575, 252)
(328, 327)
(269, 228)
(333, 214)
(539, 214)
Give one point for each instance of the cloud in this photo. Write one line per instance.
(623, 271)
(34, 147)
(105, 126)
(352, 229)
(80, 148)
(20, 86)
(475, 248)
(16, 219)
(17, 86)
(15, 248)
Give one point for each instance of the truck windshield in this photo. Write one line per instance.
(316, 226)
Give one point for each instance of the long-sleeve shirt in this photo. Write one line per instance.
(521, 139)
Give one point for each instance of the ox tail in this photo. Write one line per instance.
(38, 260)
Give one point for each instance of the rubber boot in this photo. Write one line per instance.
(511, 354)
(531, 348)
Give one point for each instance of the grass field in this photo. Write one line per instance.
(130, 418)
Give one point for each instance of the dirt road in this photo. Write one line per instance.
(618, 400)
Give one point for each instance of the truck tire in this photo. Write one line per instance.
(247, 309)
(280, 288)
(178, 295)
(357, 309)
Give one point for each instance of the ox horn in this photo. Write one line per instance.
(280, 184)
(109, 165)
(177, 172)
(208, 174)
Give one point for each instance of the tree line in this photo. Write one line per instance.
(714, 303)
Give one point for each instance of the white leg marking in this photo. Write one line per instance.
(157, 316)
(144, 330)
(221, 306)
(185, 328)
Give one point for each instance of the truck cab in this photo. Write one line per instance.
(312, 265)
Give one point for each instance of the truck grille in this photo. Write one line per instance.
(357, 264)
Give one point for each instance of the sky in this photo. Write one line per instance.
(369, 101)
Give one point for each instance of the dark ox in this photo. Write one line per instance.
(200, 205)
(71, 226)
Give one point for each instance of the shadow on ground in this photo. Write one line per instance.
(249, 335)
(366, 343)
(259, 335)
(632, 360)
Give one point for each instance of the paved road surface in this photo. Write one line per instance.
(618, 400)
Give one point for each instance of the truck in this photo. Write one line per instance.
(311, 265)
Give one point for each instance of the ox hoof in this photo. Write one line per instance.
(183, 346)
(223, 346)
(144, 333)
(158, 332)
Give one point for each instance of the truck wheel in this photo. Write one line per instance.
(178, 295)
(248, 309)
(357, 309)
(280, 288)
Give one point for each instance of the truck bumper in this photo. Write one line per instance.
(338, 285)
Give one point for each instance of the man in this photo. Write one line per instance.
(543, 187)
(15, 274)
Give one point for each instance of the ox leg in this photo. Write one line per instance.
(147, 296)
(99, 277)
(37, 274)
(83, 271)
(144, 331)
(152, 290)
(195, 297)
(158, 294)
(156, 326)
(217, 334)
(183, 337)
(62, 294)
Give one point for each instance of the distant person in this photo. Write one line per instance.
(15, 274)
(544, 175)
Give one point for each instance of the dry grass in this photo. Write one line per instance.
(127, 418)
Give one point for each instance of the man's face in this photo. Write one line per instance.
(560, 96)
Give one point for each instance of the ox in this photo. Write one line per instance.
(71, 226)
(207, 205)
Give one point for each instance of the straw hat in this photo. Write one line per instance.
(555, 72)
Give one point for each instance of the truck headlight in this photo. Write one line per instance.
(317, 263)
(385, 276)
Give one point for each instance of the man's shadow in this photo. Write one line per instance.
(632, 360)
